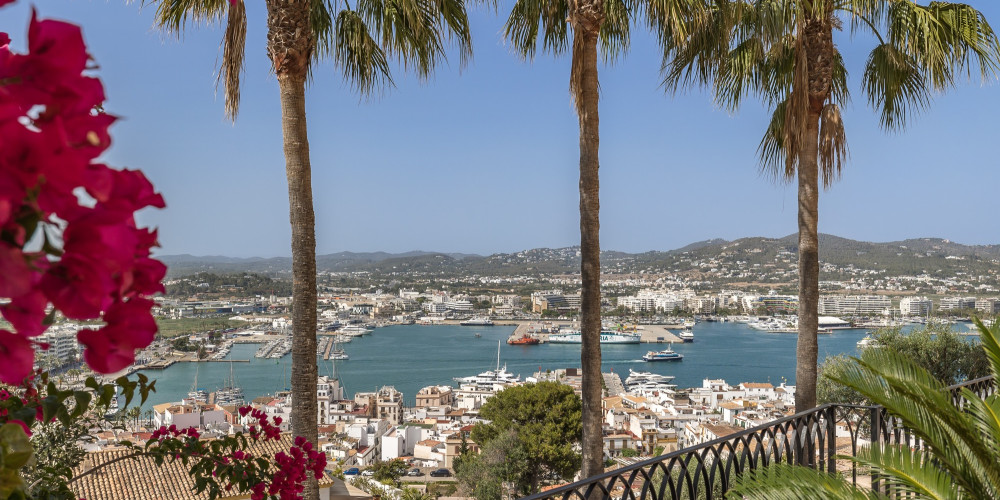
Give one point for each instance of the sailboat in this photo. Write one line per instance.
(230, 394)
(197, 393)
(338, 351)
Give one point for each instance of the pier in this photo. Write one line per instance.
(613, 382)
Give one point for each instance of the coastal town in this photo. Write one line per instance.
(645, 413)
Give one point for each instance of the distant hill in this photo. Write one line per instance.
(778, 255)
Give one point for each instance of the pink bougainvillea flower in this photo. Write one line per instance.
(77, 287)
(132, 191)
(16, 357)
(57, 45)
(102, 354)
(27, 313)
(130, 327)
(17, 273)
(147, 277)
(4, 37)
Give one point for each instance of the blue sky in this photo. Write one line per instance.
(484, 159)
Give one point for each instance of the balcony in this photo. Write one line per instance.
(811, 438)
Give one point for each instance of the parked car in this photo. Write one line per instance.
(441, 473)
(414, 472)
(353, 471)
(368, 473)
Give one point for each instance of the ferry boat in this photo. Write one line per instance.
(686, 336)
(477, 321)
(664, 355)
(607, 337)
(523, 340)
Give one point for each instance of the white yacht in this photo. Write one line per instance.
(491, 380)
(867, 342)
(353, 330)
(686, 336)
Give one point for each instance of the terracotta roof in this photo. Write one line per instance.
(757, 385)
(139, 478)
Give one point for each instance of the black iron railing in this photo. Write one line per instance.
(707, 471)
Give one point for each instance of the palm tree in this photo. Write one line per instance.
(588, 25)
(361, 39)
(960, 457)
(783, 51)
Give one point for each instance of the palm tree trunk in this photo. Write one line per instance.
(290, 44)
(819, 52)
(586, 19)
(807, 348)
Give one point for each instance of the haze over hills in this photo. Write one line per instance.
(912, 256)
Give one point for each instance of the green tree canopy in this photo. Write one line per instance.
(545, 418)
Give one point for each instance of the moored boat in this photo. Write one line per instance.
(607, 337)
(523, 340)
(477, 321)
(686, 336)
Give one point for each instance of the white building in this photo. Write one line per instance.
(952, 303)
(915, 306)
(988, 306)
(854, 305)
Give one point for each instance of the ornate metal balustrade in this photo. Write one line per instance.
(707, 471)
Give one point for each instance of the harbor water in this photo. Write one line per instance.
(414, 356)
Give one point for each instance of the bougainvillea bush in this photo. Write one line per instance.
(69, 244)
(68, 237)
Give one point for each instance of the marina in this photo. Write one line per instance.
(411, 357)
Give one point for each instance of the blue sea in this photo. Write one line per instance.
(414, 356)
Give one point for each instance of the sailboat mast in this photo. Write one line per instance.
(498, 356)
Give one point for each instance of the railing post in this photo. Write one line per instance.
(876, 436)
(831, 440)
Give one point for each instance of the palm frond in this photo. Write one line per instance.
(986, 415)
(925, 407)
(907, 471)
(615, 30)
(839, 91)
(782, 481)
(832, 143)
(324, 29)
(797, 110)
(771, 150)
(895, 85)
(360, 57)
(990, 337)
(233, 56)
(944, 38)
(453, 20)
(698, 55)
(740, 74)
(528, 18)
(173, 15)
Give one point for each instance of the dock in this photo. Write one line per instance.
(613, 383)
(658, 334)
